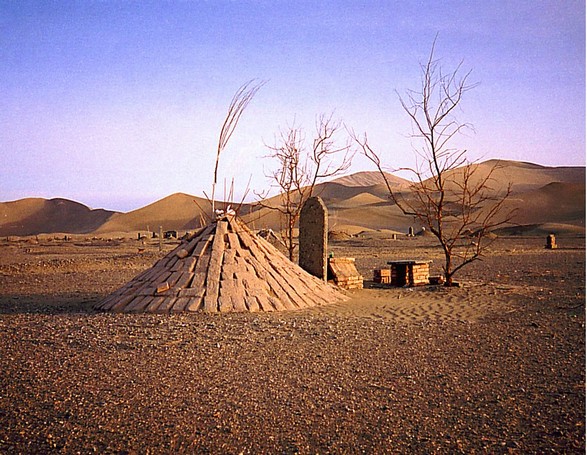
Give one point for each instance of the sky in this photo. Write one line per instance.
(119, 103)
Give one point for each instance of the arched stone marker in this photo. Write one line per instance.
(314, 238)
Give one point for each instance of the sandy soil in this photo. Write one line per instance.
(495, 366)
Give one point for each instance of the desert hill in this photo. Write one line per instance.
(178, 211)
(541, 195)
(555, 202)
(369, 178)
(525, 176)
(36, 215)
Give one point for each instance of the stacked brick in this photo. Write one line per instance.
(222, 268)
(410, 273)
(382, 276)
(344, 273)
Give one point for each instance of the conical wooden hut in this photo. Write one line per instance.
(223, 267)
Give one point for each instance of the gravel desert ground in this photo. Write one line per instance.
(494, 366)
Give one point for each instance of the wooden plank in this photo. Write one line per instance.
(276, 303)
(233, 241)
(227, 288)
(289, 298)
(191, 244)
(160, 278)
(264, 303)
(172, 261)
(196, 291)
(225, 304)
(183, 281)
(154, 304)
(303, 292)
(237, 294)
(166, 305)
(195, 303)
(179, 265)
(174, 278)
(252, 303)
(141, 276)
(163, 287)
(180, 305)
(239, 303)
(116, 302)
(284, 299)
(295, 288)
(189, 264)
(202, 245)
(138, 304)
(229, 265)
(200, 271)
(154, 271)
(214, 268)
(190, 292)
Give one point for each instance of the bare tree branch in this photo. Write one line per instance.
(299, 169)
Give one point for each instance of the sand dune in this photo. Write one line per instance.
(178, 211)
(35, 216)
(360, 200)
(369, 178)
(525, 176)
(540, 195)
(555, 202)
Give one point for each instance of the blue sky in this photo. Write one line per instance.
(119, 103)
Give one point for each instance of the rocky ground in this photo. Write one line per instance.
(495, 366)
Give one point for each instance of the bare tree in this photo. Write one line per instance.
(299, 169)
(450, 196)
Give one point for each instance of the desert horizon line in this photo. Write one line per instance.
(146, 199)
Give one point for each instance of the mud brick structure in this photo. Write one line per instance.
(410, 272)
(314, 238)
(344, 273)
(550, 242)
(382, 276)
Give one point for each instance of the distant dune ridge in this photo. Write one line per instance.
(32, 216)
(545, 198)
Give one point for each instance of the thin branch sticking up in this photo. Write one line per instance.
(239, 103)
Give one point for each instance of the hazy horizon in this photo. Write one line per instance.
(119, 104)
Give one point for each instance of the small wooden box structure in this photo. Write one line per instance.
(410, 272)
(382, 276)
(344, 273)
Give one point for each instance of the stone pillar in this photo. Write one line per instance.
(551, 242)
(314, 238)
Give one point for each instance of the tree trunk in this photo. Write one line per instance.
(448, 269)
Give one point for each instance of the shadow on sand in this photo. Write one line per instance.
(65, 303)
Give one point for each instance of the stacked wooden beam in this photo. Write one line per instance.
(344, 273)
(222, 268)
